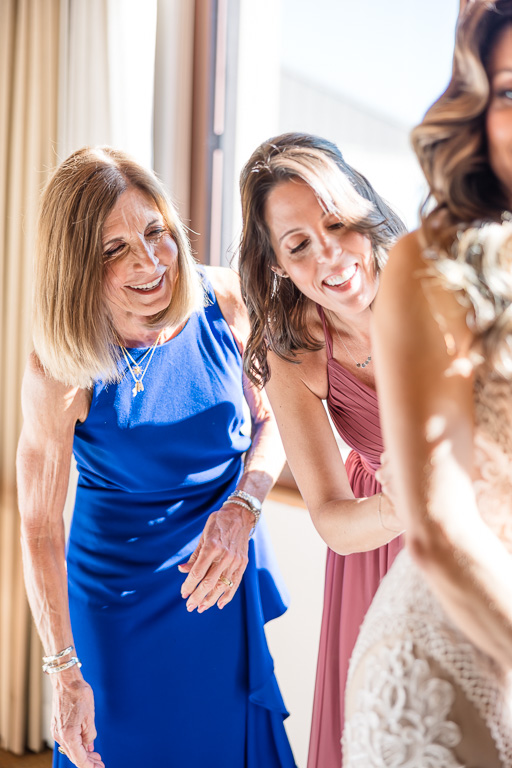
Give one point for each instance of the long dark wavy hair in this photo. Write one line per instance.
(277, 309)
(451, 145)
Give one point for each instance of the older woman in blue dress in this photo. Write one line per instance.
(137, 371)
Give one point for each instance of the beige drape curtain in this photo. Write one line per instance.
(29, 35)
(71, 73)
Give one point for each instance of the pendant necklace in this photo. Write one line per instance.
(359, 365)
(137, 371)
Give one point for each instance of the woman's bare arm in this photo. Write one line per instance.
(346, 524)
(426, 393)
(222, 550)
(50, 412)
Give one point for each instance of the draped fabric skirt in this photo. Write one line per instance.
(351, 582)
(174, 688)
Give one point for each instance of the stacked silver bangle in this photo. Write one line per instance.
(246, 500)
(52, 664)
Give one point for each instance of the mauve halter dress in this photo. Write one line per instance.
(351, 580)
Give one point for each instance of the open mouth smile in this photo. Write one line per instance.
(343, 277)
(144, 288)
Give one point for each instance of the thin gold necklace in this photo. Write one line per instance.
(137, 369)
(359, 365)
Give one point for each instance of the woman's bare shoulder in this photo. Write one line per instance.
(309, 366)
(226, 285)
(225, 282)
(46, 398)
(412, 295)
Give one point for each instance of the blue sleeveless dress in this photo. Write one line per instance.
(171, 688)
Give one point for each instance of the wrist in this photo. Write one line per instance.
(387, 516)
(249, 502)
(242, 511)
(58, 663)
(67, 679)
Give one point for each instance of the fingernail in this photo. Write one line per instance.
(202, 608)
(180, 567)
(190, 607)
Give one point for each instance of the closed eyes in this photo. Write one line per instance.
(155, 233)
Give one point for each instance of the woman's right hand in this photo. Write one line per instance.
(73, 722)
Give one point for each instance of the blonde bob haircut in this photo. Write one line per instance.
(73, 333)
(277, 309)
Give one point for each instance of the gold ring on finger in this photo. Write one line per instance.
(226, 581)
(61, 751)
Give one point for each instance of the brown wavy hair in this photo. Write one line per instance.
(450, 142)
(73, 333)
(277, 309)
(451, 146)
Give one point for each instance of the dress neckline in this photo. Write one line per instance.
(331, 359)
(159, 346)
(351, 375)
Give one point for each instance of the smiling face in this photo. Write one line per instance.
(140, 260)
(499, 111)
(330, 264)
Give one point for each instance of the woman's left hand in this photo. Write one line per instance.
(216, 566)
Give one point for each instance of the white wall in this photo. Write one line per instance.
(374, 144)
(293, 638)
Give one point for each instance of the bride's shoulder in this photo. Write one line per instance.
(415, 292)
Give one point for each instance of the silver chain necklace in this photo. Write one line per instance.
(137, 369)
(359, 365)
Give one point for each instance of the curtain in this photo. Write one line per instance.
(106, 76)
(29, 31)
(71, 73)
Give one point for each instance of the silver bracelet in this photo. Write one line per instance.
(52, 669)
(57, 656)
(254, 512)
(379, 510)
(253, 502)
(229, 500)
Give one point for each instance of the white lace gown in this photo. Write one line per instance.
(419, 693)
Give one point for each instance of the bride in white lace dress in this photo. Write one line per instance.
(430, 681)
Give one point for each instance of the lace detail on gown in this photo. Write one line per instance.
(410, 659)
(401, 692)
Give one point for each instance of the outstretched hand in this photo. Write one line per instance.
(216, 566)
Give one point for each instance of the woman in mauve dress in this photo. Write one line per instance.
(315, 237)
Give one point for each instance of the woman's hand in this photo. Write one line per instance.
(387, 509)
(219, 558)
(73, 723)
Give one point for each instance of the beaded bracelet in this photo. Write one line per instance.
(229, 500)
(256, 512)
(254, 504)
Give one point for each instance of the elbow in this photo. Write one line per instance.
(335, 536)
